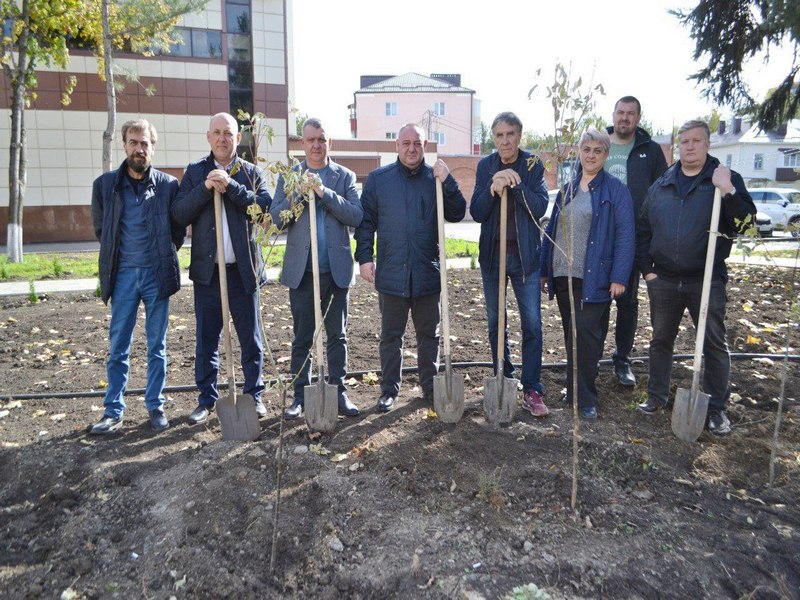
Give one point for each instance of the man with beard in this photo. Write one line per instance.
(637, 161)
(138, 263)
(241, 184)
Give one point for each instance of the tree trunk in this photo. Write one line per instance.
(111, 94)
(16, 161)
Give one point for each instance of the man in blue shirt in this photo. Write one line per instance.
(138, 263)
(338, 208)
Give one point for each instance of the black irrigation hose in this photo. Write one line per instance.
(460, 365)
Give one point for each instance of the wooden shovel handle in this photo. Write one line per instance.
(312, 222)
(501, 296)
(444, 297)
(223, 293)
(706, 291)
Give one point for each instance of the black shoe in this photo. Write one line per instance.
(589, 413)
(158, 420)
(650, 407)
(624, 374)
(385, 402)
(347, 408)
(718, 422)
(261, 410)
(294, 411)
(199, 415)
(106, 425)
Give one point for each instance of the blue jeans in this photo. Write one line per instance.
(669, 299)
(527, 289)
(132, 286)
(208, 316)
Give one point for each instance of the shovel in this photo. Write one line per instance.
(500, 392)
(321, 399)
(448, 389)
(691, 406)
(237, 416)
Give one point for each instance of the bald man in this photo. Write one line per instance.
(241, 184)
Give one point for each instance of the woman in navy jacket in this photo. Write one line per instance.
(598, 232)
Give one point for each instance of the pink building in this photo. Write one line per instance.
(449, 113)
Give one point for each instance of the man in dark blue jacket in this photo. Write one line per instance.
(337, 209)
(399, 202)
(637, 161)
(671, 241)
(522, 174)
(138, 263)
(241, 184)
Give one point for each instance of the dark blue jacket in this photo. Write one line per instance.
(610, 247)
(672, 231)
(165, 236)
(400, 206)
(195, 206)
(646, 163)
(528, 200)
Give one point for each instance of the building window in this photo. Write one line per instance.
(438, 109)
(199, 43)
(728, 160)
(792, 160)
(391, 135)
(758, 162)
(391, 109)
(439, 137)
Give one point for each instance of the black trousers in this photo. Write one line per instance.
(394, 318)
(591, 327)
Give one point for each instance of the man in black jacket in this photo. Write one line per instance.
(399, 202)
(671, 242)
(241, 184)
(638, 161)
(138, 264)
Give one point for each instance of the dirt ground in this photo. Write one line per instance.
(395, 505)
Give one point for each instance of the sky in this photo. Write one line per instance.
(630, 47)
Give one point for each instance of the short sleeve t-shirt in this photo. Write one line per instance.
(617, 162)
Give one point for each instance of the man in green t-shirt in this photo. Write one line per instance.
(638, 161)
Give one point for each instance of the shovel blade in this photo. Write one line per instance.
(237, 417)
(449, 407)
(321, 406)
(499, 399)
(689, 414)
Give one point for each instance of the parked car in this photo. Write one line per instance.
(763, 224)
(551, 194)
(781, 204)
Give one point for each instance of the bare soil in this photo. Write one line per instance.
(404, 506)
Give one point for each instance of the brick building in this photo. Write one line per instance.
(235, 55)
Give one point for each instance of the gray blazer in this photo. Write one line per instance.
(342, 208)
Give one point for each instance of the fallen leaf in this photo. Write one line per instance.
(339, 457)
(352, 382)
(751, 339)
(102, 384)
(370, 378)
(57, 417)
(319, 449)
(283, 359)
(39, 413)
(430, 414)
(13, 404)
(69, 594)
(747, 306)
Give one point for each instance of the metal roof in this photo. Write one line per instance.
(413, 82)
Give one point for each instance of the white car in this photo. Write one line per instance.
(781, 204)
(763, 224)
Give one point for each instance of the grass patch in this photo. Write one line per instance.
(79, 265)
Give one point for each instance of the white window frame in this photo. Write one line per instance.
(728, 160)
(758, 162)
(439, 109)
(391, 109)
(792, 159)
(439, 137)
(391, 135)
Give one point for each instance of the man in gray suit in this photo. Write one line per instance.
(338, 207)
